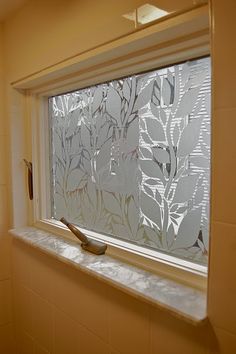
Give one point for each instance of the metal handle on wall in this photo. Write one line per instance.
(30, 178)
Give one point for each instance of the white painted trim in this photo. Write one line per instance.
(146, 61)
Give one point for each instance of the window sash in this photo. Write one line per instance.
(96, 159)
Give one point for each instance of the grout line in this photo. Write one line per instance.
(223, 223)
(81, 324)
(6, 324)
(5, 279)
(225, 330)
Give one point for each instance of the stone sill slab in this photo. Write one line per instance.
(179, 300)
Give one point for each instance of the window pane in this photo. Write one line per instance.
(131, 158)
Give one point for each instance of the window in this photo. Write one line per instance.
(121, 145)
(130, 159)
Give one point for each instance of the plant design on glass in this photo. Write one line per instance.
(131, 157)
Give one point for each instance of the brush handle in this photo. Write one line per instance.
(75, 231)
(93, 246)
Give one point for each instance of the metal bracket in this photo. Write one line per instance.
(30, 178)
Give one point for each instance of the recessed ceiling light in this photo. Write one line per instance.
(145, 14)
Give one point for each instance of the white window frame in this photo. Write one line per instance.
(180, 37)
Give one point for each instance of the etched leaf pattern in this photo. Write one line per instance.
(130, 158)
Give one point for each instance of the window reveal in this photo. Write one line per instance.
(130, 158)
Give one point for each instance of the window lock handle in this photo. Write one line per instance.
(87, 244)
(30, 178)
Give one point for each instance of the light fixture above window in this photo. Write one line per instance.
(145, 14)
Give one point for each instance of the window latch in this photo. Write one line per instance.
(30, 178)
(87, 244)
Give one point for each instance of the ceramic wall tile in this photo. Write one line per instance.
(65, 334)
(224, 53)
(223, 165)
(42, 318)
(225, 343)
(25, 343)
(5, 302)
(168, 334)
(42, 275)
(82, 298)
(4, 161)
(128, 324)
(222, 272)
(21, 263)
(41, 350)
(89, 343)
(5, 248)
(4, 211)
(22, 308)
(7, 340)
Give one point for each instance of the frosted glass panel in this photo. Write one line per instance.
(131, 158)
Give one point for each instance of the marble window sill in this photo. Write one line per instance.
(180, 300)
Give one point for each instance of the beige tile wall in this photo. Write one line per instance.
(61, 311)
(81, 315)
(222, 277)
(6, 326)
